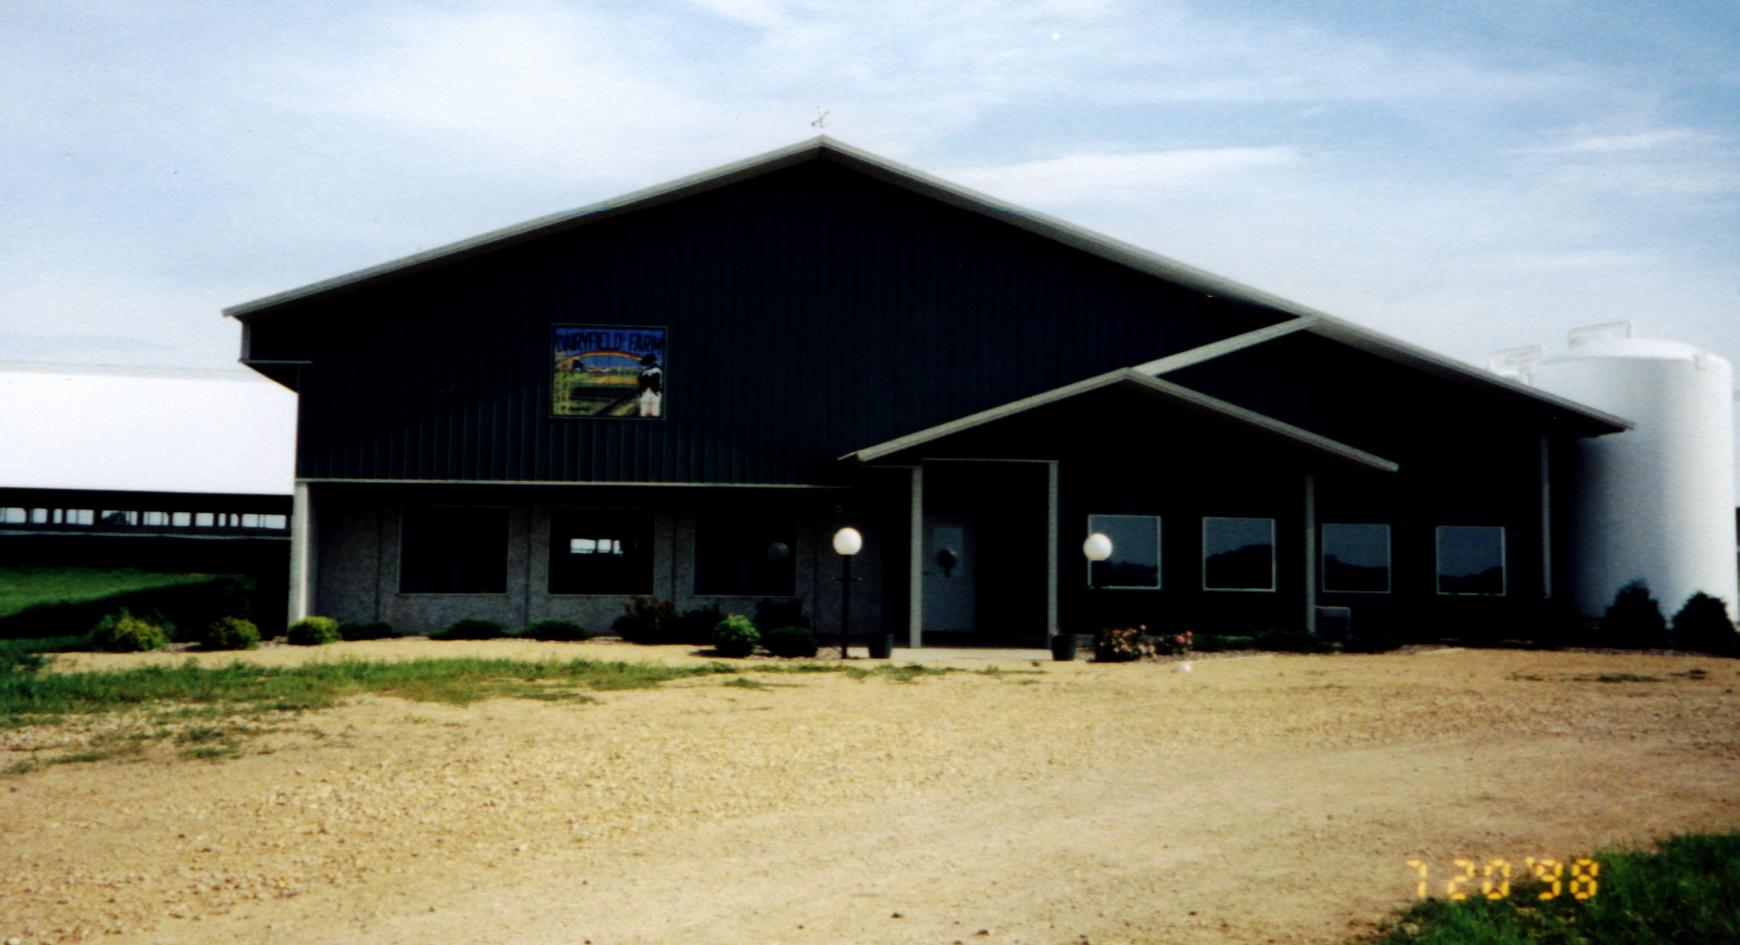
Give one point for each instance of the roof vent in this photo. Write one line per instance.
(1515, 363)
(1602, 332)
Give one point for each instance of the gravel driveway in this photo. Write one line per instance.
(1249, 800)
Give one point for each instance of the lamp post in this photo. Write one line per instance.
(1096, 548)
(847, 542)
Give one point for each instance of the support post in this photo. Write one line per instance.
(1311, 553)
(1546, 518)
(301, 604)
(845, 603)
(915, 563)
(1051, 537)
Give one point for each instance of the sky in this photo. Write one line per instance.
(1469, 176)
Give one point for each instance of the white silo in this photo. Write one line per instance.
(1655, 502)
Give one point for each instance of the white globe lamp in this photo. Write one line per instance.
(1097, 547)
(848, 541)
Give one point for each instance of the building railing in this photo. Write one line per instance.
(144, 521)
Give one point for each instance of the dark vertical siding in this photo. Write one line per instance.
(812, 311)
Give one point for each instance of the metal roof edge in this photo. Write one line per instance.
(1062, 231)
(544, 225)
(1124, 376)
(1225, 346)
(962, 424)
(1281, 427)
(1069, 234)
(822, 147)
(1337, 329)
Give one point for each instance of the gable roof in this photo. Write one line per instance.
(1131, 379)
(824, 148)
(1588, 420)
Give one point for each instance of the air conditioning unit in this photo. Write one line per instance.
(1334, 624)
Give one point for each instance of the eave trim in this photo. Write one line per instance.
(1130, 377)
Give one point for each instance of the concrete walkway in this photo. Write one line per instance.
(938, 654)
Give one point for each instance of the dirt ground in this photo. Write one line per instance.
(1267, 799)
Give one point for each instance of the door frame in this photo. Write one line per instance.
(916, 530)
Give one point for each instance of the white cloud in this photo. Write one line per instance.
(547, 91)
(1650, 140)
(1093, 178)
(762, 13)
(1605, 259)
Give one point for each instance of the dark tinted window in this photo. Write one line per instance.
(601, 551)
(750, 555)
(1238, 554)
(453, 551)
(1470, 559)
(1356, 558)
(1135, 560)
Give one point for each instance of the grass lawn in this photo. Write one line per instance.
(22, 587)
(1688, 891)
(210, 710)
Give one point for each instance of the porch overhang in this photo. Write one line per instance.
(908, 448)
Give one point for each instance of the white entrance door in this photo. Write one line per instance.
(950, 569)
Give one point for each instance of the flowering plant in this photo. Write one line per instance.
(1175, 644)
(1124, 644)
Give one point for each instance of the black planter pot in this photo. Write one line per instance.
(1063, 647)
(881, 646)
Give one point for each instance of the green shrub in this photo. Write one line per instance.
(790, 641)
(20, 659)
(471, 629)
(1703, 625)
(561, 630)
(1634, 620)
(1553, 622)
(781, 612)
(1289, 641)
(230, 633)
(695, 627)
(735, 636)
(188, 606)
(124, 633)
(645, 620)
(366, 631)
(1210, 643)
(313, 631)
(1372, 636)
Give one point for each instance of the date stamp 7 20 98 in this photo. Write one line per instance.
(1492, 879)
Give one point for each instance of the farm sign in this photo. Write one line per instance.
(608, 371)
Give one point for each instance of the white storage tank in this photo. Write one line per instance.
(1655, 502)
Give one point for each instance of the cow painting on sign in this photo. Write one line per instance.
(652, 386)
(608, 371)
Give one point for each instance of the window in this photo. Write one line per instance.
(115, 518)
(453, 551)
(601, 551)
(13, 516)
(204, 519)
(745, 554)
(1238, 554)
(279, 522)
(182, 519)
(1135, 560)
(1471, 560)
(1356, 558)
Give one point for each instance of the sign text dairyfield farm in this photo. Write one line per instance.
(608, 371)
